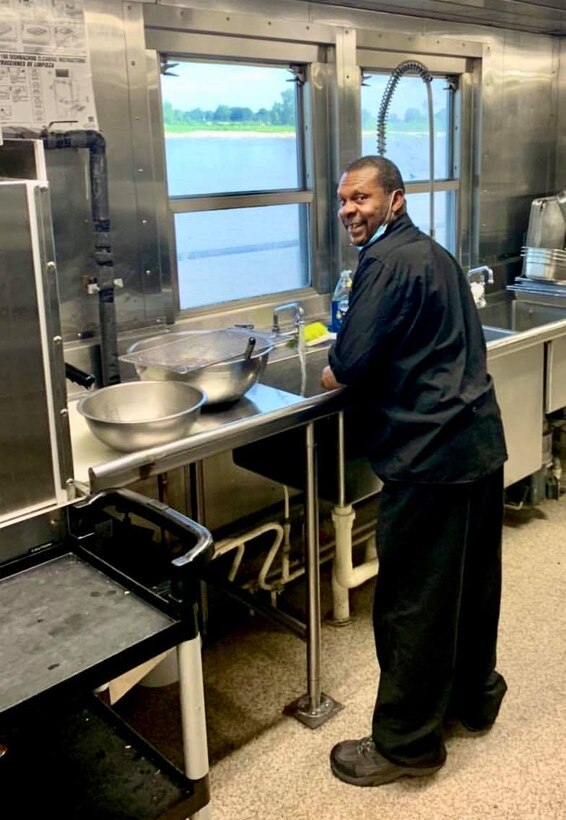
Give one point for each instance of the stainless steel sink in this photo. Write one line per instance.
(281, 457)
(518, 315)
(302, 379)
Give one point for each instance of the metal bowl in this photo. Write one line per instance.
(221, 382)
(135, 415)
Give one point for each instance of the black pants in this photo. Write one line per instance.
(436, 611)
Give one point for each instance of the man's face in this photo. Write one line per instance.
(364, 205)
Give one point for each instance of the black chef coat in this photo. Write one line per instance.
(412, 348)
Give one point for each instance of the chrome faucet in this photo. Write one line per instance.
(484, 273)
(298, 316)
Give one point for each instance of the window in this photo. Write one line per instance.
(408, 145)
(236, 181)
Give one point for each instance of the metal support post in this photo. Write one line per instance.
(314, 708)
(193, 717)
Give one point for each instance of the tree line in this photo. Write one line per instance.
(281, 113)
(412, 119)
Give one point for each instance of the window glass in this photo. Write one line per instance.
(407, 125)
(238, 253)
(232, 129)
(418, 208)
(229, 128)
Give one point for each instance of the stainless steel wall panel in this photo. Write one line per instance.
(321, 79)
(560, 169)
(517, 137)
(267, 26)
(440, 48)
(113, 48)
(467, 166)
(167, 254)
(147, 296)
(202, 45)
(539, 16)
(542, 16)
(54, 341)
(35, 462)
(67, 171)
(26, 476)
(390, 60)
(277, 9)
(346, 129)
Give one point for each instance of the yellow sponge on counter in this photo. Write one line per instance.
(317, 333)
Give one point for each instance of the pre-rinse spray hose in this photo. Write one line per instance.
(406, 67)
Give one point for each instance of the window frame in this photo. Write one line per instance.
(300, 57)
(333, 55)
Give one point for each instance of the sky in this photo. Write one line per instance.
(208, 85)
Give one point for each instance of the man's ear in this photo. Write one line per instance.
(398, 202)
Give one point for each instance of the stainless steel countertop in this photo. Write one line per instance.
(262, 412)
(521, 340)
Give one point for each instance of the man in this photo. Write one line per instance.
(412, 349)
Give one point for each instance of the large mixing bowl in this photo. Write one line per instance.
(134, 415)
(221, 382)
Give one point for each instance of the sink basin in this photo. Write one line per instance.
(289, 374)
(518, 315)
(282, 457)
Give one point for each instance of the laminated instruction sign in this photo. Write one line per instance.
(45, 75)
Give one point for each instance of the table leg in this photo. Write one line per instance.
(314, 708)
(193, 716)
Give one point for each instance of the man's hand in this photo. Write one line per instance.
(328, 379)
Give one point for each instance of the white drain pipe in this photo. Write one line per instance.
(344, 575)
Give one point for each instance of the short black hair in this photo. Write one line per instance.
(387, 172)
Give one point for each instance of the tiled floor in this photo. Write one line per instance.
(267, 766)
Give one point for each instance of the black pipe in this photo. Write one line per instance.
(79, 376)
(96, 145)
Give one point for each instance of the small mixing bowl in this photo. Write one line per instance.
(135, 415)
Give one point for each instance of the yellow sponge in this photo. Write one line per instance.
(316, 333)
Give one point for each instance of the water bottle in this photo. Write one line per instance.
(340, 300)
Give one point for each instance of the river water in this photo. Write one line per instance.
(235, 254)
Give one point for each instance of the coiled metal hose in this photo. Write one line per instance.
(406, 67)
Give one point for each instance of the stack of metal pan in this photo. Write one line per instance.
(544, 263)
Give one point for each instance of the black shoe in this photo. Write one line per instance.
(358, 762)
